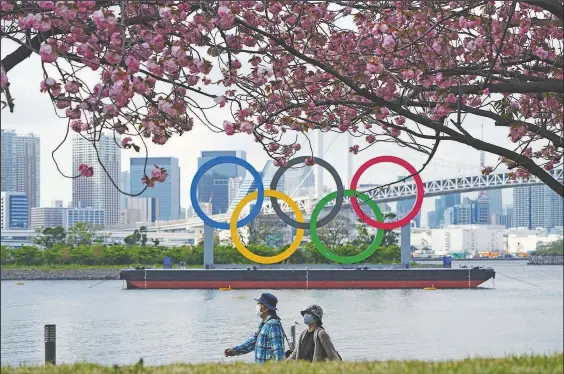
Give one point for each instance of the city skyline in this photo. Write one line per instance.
(399, 206)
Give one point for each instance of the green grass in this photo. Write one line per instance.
(550, 364)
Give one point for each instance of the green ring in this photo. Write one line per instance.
(332, 256)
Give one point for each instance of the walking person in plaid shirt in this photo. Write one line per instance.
(268, 341)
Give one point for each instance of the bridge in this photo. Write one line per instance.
(395, 192)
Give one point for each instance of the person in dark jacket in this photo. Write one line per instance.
(268, 340)
(314, 343)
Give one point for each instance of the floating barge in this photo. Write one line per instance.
(300, 278)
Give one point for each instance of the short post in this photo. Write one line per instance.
(406, 246)
(293, 333)
(50, 344)
(208, 246)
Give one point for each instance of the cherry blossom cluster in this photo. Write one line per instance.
(85, 170)
(408, 72)
(157, 175)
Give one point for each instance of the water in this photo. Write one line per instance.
(107, 324)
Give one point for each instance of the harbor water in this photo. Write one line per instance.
(520, 312)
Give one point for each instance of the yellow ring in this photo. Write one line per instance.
(266, 259)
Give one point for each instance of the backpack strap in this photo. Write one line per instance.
(282, 327)
(318, 338)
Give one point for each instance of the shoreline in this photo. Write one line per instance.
(59, 274)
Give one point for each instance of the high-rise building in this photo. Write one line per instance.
(28, 165)
(469, 212)
(536, 206)
(98, 191)
(8, 161)
(480, 211)
(441, 204)
(14, 210)
(125, 186)
(444, 202)
(21, 165)
(167, 192)
(431, 218)
(214, 185)
(496, 201)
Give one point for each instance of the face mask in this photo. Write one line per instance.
(259, 310)
(309, 319)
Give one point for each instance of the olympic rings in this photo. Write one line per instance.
(255, 211)
(266, 259)
(418, 202)
(299, 223)
(332, 213)
(332, 256)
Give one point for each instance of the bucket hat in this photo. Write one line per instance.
(315, 310)
(268, 300)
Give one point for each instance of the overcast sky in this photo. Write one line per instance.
(34, 113)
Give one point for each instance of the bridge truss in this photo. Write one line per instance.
(395, 192)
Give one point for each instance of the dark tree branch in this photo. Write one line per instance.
(548, 85)
(526, 162)
(553, 6)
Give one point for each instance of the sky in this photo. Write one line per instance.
(34, 113)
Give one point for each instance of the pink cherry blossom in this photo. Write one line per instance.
(3, 78)
(165, 13)
(72, 87)
(283, 71)
(126, 141)
(247, 127)
(310, 161)
(47, 53)
(85, 170)
(221, 100)
(228, 128)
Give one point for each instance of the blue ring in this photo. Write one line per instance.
(255, 211)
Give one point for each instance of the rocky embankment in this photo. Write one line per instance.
(57, 274)
(546, 260)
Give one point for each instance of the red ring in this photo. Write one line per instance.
(418, 201)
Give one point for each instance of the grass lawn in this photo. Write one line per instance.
(552, 364)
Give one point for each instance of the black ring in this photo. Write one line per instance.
(338, 201)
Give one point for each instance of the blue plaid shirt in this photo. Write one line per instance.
(267, 342)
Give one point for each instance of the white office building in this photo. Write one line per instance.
(467, 239)
(139, 210)
(523, 240)
(98, 191)
(47, 217)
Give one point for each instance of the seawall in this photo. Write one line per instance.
(59, 274)
(546, 260)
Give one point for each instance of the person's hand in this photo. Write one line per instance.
(228, 352)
